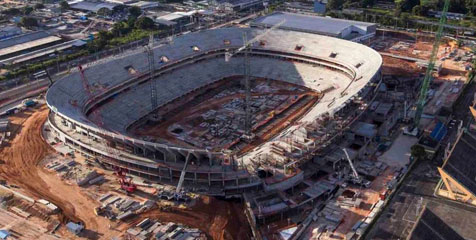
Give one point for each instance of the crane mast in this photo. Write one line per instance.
(431, 65)
(246, 67)
(153, 88)
(247, 91)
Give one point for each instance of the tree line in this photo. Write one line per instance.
(414, 7)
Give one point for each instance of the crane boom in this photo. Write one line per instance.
(354, 172)
(257, 38)
(431, 65)
(85, 82)
(182, 178)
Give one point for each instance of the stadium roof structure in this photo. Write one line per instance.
(430, 226)
(312, 24)
(68, 99)
(459, 169)
(26, 41)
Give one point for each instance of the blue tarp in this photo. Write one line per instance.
(439, 131)
(4, 234)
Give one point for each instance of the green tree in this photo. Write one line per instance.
(406, 5)
(416, 10)
(104, 11)
(27, 10)
(458, 6)
(144, 23)
(427, 5)
(471, 7)
(104, 35)
(367, 3)
(398, 10)
(28, 22)
(64, 5)
(120, 28)
(405, 18)
(118, 8)
(39, 6)
(334, 4)
(418, 152)
(131, 21)
(135, 11)
(11, 11)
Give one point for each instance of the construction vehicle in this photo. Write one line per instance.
(29, 103)
(104, 211)
(355, 178)
(179, 194)
(126, 182)
(413, 130)
(99, 211)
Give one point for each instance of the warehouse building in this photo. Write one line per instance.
(236, 5)
(90, 6)
(333, 27)
(9, 31)
(24, 43)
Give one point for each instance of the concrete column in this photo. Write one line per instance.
(210, 161)
(223, 178)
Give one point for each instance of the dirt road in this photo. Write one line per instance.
(21, 168)
(220, 220)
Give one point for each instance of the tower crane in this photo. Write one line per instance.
(89, 91)
(246, 66)
(431, 65)
(151, 60)
(126, 183)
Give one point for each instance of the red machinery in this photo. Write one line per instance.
(126, 182)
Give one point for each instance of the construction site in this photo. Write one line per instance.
(214, 117)
(231, 133)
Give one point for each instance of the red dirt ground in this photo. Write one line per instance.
(394, 66)
(218, 219)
